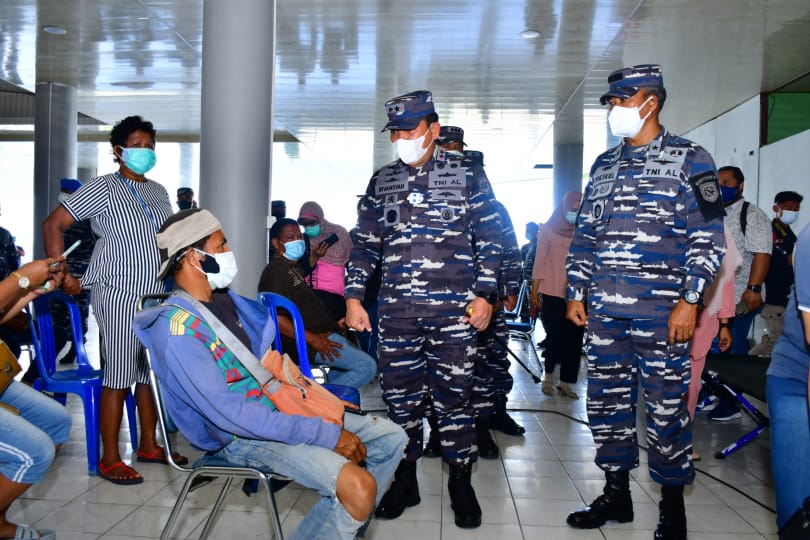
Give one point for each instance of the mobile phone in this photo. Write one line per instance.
(330, 240)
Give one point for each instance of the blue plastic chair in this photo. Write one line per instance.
(273, 302)
(84, 381)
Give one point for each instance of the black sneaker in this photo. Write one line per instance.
(725, 411)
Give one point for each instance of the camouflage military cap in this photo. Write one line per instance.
(625, 82)
(406, 111)
(448, 134)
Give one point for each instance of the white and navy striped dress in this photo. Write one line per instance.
(125, 216)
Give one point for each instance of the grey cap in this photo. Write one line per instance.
(180, 231)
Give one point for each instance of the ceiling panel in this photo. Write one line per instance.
(337, 61)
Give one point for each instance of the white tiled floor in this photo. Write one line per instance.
(526, 494)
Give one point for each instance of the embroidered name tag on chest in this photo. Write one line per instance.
(393, 181)
(447, 175)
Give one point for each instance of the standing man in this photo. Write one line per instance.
(430, 218)
(751, 231)
(648, 241)
(185, 198)
(780, 276)
(493, 382)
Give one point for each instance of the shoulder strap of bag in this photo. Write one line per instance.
(242, 353)
(744, 216)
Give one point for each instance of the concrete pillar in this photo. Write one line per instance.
(236, 127)
(55, 127)
(567, 169)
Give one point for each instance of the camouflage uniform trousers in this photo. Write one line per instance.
(491, 366)
(618, 351)
(424, 361)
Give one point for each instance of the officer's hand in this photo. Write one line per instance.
(752, 299)
(510, 302)
(350, 446)
(724, 339)
(478, 313)
(575, 312)
(682, 322)
(356, 316)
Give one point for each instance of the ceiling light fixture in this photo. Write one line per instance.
(55, 30)
(530, 34)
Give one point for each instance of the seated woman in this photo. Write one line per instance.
(32, 426)
(328, 248)
(348, 365)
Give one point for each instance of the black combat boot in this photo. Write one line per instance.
(501, 421)
(614, 504)
(797, 526)
(433, 448)
(671, 515)
(487, 449)
(462, 497)
(403, 493)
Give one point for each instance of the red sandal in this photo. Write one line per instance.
(159, 456)
(107, 473)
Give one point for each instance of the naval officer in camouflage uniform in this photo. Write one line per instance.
(430, 217)
(492, 381)
(648, 241)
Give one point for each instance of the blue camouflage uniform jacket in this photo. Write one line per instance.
(437, 232)
(650, 224)
(511, 260)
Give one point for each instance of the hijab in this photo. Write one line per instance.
(557, 221)
(337, 254)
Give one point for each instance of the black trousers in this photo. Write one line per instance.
(563, 339)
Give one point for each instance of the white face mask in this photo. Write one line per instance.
(62, 197)
(227, 269)
(625, 121)
(789, 216)
(411, 151)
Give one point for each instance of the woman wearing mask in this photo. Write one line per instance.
(125, 210)
(348, 365)
(327, 258)
(563, 338)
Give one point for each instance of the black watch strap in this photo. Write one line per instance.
(755, 288)
(491, 297)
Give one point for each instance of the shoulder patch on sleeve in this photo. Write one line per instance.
(707, 193)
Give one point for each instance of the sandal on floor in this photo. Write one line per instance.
(108, 473)
(566, 391)
(27, 532)
(159, 456)
(548, 386)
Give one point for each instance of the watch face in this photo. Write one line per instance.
(691, 297)
(23, 282)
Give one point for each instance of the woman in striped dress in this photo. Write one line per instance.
(125, 210)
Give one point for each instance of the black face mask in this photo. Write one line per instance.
(184, 205)
(209, 265)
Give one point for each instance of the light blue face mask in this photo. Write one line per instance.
(312, 230)
(294, 250)
(139, 160)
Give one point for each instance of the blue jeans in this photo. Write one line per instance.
(352, 368)
(318, 468)
(790, 439)
(739, 332)
(27, 441)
